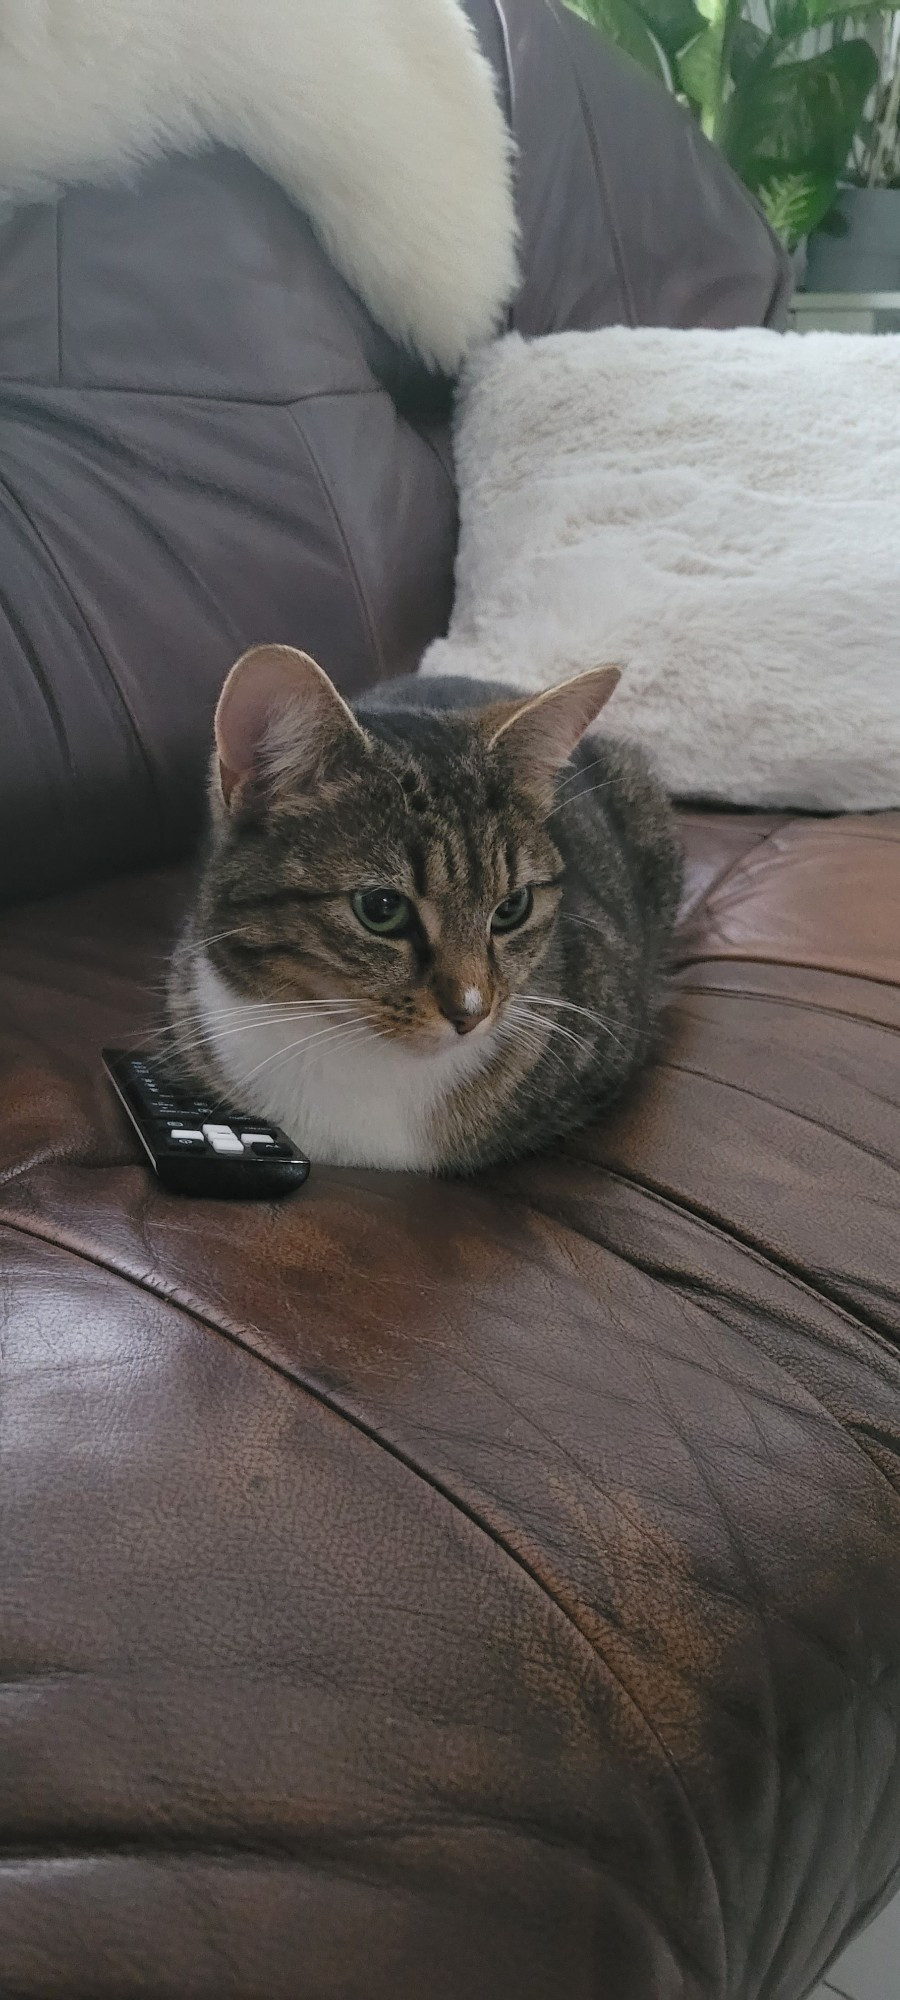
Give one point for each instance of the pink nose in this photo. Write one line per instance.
(464, 1023)
(465, 1007)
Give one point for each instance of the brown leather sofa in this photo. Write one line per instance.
(476, 1591)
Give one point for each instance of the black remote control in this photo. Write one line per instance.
(197, 1144)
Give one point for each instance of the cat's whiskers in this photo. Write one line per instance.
(339, 1029)
(568, 1034)
(567, 917)
(577, 1041)
(258, 1009)
(197, 1027)
(540, 1045)
(580, 772)
(555, 1027)
(571, 1007)
(215, 1033)
(574, 798)
(190, 948)
(516, 1024)
(283, 1056)
(183, 950)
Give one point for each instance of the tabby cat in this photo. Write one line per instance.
(430, 928)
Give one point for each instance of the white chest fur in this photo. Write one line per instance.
(343, 1093)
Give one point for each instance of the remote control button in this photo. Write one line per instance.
(222, 1139)
(257, 1139)
(155, 1094)
(147, 1091)
(181, 1138)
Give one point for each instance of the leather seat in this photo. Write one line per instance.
(464, 1590)
(415, 1591)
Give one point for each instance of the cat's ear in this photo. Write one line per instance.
(541, 733)
(278, 716)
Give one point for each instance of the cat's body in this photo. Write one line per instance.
(387, 1069)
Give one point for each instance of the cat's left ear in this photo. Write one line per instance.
(540, 734)
(278, 717)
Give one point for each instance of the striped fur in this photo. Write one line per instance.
(453, 1046)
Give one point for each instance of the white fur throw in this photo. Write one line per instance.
(379, 117)
(719, 513)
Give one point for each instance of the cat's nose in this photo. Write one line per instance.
(466, 1007)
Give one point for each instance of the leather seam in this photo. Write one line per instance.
(771, 1104)
(429, 1479)
(42, 682)
(709, 956)
(870, 839)
(783, 1271)
(427, 440)
(605, 201)
(730, 868)
(702, 1220)
(59, 338)
(850, 1430)
(338, 526)
(326, 1852)
(787, 1000)
(84, 623)
(21, 393)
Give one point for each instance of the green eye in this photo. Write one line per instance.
(513, 911)
(383, 911)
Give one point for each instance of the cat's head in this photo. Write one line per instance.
(409, 869)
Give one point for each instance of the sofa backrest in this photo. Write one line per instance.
(205, 441)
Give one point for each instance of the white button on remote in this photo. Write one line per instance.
(257, 1139)
(222, 1139)
(177, 1133)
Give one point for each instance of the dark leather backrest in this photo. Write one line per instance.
(204, 441)
(628, 216)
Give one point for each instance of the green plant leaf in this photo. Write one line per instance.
(790, 18)
(727, 16)
(697, 66)
(704, 66)
(622, 23)
(793, 18)
(673, 22)
(797, 203)
(799, 117)
(749, 46)
(823, 11)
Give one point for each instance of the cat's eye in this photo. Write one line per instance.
(513, 911)
(384, 911)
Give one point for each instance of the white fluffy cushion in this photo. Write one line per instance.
(719, 513)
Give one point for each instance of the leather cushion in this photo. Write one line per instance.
(476, 1590)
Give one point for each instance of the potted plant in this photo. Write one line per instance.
(857, 247)
(784, 96)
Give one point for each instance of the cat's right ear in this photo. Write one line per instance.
(278, 717)
(541, 733)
